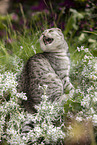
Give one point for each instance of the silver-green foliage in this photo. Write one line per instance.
(83, 105)
(84, 77)
(13, 116)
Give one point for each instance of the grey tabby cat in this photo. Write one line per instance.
(49, 68)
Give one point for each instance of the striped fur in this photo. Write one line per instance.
(50, 68)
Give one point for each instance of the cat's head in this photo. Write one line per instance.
(52, 40)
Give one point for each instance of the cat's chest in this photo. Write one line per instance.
(58, 61)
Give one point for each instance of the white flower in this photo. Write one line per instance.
(82, 48)
(11, 131)
(86, 57)
(78, 49)
(21, 47)
(90, 89)
(38, 131)
(86, 101)
(91, 111)
(94, 119)
(44, 97)
(93, 76)
(14, 91)
(44, 125)
(22, 95)
(79, 118)
(86, 50)
(95, 97)
(55, 133)
(42, 143)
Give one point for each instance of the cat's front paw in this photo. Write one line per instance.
(69, 89)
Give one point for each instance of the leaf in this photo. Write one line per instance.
(69, 25)
(72, 21)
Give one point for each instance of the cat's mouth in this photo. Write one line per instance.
(47, 40)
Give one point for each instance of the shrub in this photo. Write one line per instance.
(53, 122)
